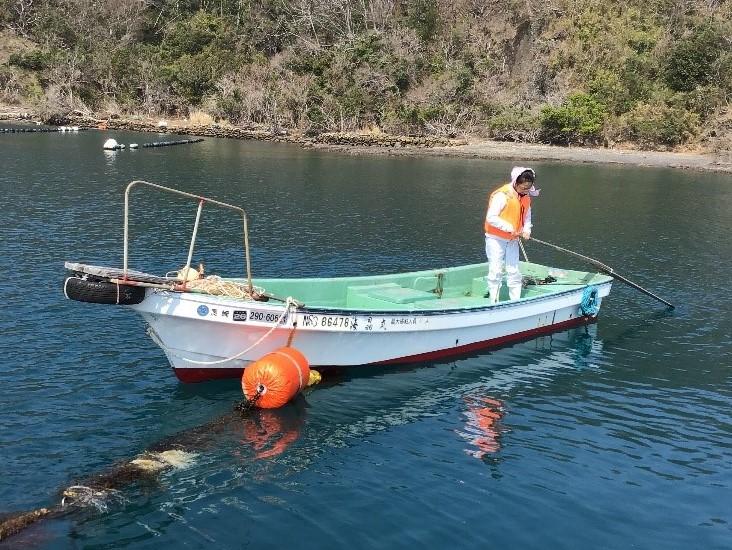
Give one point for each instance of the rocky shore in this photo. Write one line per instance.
(384, 144)
(522, 152)
(283, 135)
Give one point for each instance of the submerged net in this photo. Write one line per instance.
(84, 496)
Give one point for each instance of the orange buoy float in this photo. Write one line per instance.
(275, 378)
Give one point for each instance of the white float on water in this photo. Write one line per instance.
(111, 145)
(133, 146)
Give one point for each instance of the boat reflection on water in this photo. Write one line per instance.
(482, 427)
(485, 411)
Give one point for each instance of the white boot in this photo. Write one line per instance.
(514, 292)
(493, 291)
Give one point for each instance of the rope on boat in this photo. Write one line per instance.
(215, 285)
(289, 303)
(590, 303)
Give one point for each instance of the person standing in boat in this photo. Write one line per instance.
(508, 218)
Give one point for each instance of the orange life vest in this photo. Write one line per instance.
(514, 212)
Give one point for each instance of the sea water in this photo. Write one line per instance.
(618, 435)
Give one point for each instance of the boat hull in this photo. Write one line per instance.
(207, 337)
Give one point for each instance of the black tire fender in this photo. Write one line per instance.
(102, 292)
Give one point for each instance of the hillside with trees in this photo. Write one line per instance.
(653, 74)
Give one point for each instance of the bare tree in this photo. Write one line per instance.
(66, 76)
(24, 15)
(303, 14)
(378, 13)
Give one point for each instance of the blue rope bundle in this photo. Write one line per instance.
(590, 303)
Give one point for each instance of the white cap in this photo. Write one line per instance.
(516, 171)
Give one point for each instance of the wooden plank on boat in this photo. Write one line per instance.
(117, 273)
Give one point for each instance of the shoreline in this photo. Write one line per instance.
(500, 150)
(390, 145)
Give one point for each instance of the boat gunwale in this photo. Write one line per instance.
(202, 298)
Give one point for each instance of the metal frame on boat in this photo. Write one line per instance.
(208, 333)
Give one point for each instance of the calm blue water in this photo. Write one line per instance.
(618, 436)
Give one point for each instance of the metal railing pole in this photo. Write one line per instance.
(248, 262)
(187, 268)
(126, 231)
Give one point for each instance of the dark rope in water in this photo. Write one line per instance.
(247, 405)
(15, 523)
(98, 488)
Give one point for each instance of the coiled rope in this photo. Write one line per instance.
(290, 303)
(215, 285)
(590, 303)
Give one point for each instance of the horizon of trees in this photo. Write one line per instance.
(656, 73)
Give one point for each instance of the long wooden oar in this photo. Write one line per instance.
(605, 269)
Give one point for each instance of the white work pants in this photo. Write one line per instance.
(501, 252)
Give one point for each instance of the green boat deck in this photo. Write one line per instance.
(461, 287)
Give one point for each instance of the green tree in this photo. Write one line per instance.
(198, 52)
(656, 123)
(423, 16)
(33, 60)
(579, 119)
(693, 61)
(191, 36)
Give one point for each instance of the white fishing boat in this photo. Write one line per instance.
(211, 327)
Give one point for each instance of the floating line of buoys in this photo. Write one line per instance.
(112, 145)
(40, 130)
(169, 143)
